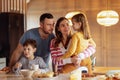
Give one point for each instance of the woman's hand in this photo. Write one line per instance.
(58, 59)
(75, 60)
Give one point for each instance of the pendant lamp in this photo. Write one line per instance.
(107, 17)
(70, 15)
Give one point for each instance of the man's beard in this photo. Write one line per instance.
(45, 31)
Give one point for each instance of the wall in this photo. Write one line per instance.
(17, 6)
(106, 38)
(0, 5)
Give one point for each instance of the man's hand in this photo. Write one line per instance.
(5, 69)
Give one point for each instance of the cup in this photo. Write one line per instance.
(35, 67)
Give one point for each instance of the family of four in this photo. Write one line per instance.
(36, 45)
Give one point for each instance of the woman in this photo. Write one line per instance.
(80, 41)
(60, 44)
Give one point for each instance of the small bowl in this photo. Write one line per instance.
(27, 72)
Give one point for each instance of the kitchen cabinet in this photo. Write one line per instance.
(11, 29)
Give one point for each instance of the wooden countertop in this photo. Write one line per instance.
(10, 76)
(97, 70)
(103, 70)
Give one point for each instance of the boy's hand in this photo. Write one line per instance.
(18, 65)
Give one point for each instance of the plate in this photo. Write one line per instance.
(112, 72)
(90, 78)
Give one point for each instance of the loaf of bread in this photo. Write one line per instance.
(68, 68)
(46, 75)
(5, 70)
(37, 74)
(117, 75)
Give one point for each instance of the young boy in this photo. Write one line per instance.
(28, 59)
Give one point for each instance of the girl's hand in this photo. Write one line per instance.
(76, 61)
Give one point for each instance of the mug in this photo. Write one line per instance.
(35, 66)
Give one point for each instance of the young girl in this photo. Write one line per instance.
(81, 39)
(28, 59)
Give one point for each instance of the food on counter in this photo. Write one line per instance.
(101, 77)
(37, 74)
(5, 70)
(86, 76)
(112, 78)
(75, 76)
(68, 68)
(117, 75)
(46, 75)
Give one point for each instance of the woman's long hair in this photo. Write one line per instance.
(59, 36)
(84, 24)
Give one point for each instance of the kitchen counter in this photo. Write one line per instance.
(11, 76)
(103, 70)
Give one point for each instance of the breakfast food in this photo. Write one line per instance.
(5, 70)
(117, 75)
(68, 68)
(114, 76)
(37, 74)
(86, 76)
(75, 76)
(46, 75)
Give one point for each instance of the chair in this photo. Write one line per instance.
(93, 59)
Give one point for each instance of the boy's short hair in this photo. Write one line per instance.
(31, 42)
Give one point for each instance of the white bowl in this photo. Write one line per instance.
(27, 72)
(64, 76)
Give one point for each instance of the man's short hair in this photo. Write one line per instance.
(46, 15)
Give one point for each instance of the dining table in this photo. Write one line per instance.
(104, 70)
(11, 76)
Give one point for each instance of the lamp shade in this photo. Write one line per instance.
(107, 17)
(70, 15)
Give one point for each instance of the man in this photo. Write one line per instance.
(42, 35)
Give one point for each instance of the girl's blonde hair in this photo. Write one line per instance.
(81, 17)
